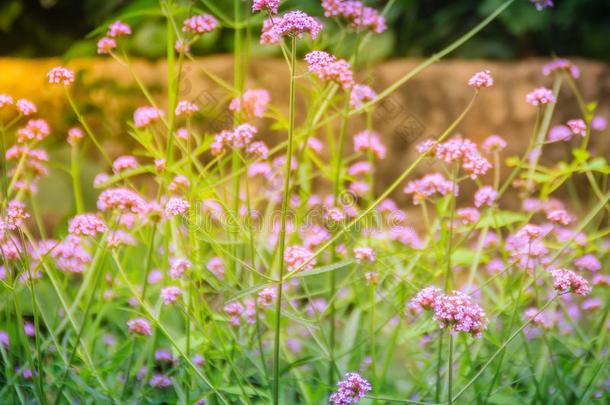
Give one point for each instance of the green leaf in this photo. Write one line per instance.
(500, 219)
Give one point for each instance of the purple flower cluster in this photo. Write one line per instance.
(329, 68)
(351, 390)
(293, 23)
(427, 186)
(466, 151)
(568, 281)
(356, 13)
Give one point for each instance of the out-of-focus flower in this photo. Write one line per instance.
(588, 262)
(364, 254)
(145, 116)
(200, 24)
(599, 123)
(118, 29)
(486, 195)
(176, 206)
(121, 199)
(577, 126)
(265, 5)
(74, 135)
(34, 129)
(493, 143)
(267, 296)
(429, 185)
(458, 312)
(542, 4)
(540, 96)
(481, 79)
(560, 64)
(87, 225)
(253, 103)
(139, 326)
(356, 13)
(171, 294)
(360, 95)
(565, 281)
(186, 108)
(61, 75)
(105, 45)
(178, 266)
(369, 141)
(296, 257)
(123, 163)
(25, 107)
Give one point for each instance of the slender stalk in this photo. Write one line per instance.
(450, 371)
(282, 236)
(75, 174)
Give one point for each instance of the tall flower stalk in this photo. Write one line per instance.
(284, 213)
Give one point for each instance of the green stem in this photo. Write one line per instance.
(282, 236)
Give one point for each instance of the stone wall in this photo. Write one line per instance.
(420, 109)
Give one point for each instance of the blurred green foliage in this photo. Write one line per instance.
(31, 28)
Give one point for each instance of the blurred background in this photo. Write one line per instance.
(575, 28)
(36, 35)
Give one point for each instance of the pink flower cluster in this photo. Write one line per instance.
(267, 297)
(61, 75)
(171, 294)
(369, 141)
(178, 266)
(457, 312)
(105, 45)
(239, 137)
(253, 103)
(365, 254)
(176, 206)
(486, 195)
(429, 185)
(139, 326)
(87, 225)
(493, 143)
(358, 15)
(293, 23)
(145, 116)
(466, 151)
(70, 255)
(481, 79)
(424, 300)
(34, 129)
(565, 281)
(121, 199)
(265, 5)
(360, 95)
(118, 29)
(560, 64)
(200, 24)
(351, 390)
(540, 96)
(186, 108)
(123, 163)
(328, 68)
(296, 257)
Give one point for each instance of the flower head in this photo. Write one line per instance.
(367, 140)
(356, 13)
(121, 199)
(61, 75)
(253, 103)
(200, 24)
(481, 79)
(351, 390)
(493, 143)
(25, 107)
(565, 281)
(139, 326)
(186, 108)
(294, 23)
(360, 95)
(74, 135)
(457, 312)
(486, 195)
(176, 206)
(145, 116)
(540, 96)
(123, 163)
(266, 5)
(105, 45)
(328, 68)
(171, 294)
(542, 4)
(296, 257)
(560, 64)
(578, 127)
(118, 29)
(87, 225)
